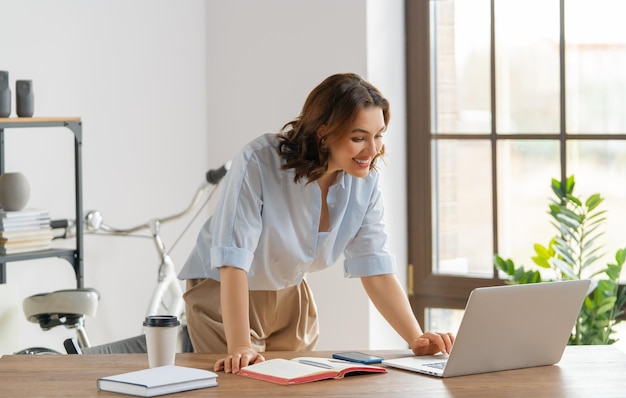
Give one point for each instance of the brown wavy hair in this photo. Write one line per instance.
(335, 103)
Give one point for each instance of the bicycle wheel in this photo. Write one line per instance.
(38, 351)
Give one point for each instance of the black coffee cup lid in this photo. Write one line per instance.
(161, 320)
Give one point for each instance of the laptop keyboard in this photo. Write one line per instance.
(436, 365)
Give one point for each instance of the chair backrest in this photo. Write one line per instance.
(132, 345)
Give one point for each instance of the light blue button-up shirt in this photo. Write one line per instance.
(268, 225)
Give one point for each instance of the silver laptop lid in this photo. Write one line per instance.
(516, 326)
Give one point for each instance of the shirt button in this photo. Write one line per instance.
(310, 251)
(332, 205)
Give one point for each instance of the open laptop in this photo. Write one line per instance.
(507, 327)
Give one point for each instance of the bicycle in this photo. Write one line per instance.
(166, 297)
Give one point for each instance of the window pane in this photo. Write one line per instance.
(527, 66)
(443, 319)
(595, 65)
(525, 172)
(599, 167)
(460, 71)
(462, 220)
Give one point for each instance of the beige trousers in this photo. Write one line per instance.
(283, 320)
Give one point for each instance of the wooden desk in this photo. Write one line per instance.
(592, 371)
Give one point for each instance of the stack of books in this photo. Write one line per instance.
(24, 231)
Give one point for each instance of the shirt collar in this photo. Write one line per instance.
(341, 179)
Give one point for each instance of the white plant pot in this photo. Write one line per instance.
(14, 191)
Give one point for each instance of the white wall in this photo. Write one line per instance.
(167, 90)
(385, 67)
(135, 72)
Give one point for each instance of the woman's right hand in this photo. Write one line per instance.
(236, 360)
(234, 299)
(431, 343)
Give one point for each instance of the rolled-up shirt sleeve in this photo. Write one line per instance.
(367, 253)
(238, 217)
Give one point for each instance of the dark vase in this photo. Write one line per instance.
(5, 94)
(25, 99)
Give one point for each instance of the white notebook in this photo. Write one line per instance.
(158, 381)
(507, 327)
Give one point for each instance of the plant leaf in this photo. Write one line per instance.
(565, 252)
(574, 200)
(556, 188)
(503, 265)
(593, 201)
(569, 184)
(564, 267)
(613, 271)
(541, 261)
(620, 256)
(598, 214)
(543, 254)
(606, 307)
(571, 220)
(588, 262)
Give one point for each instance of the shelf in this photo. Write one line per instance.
(63, 253)
(36, 120)
(73, 256)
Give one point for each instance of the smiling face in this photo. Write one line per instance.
(355, 150)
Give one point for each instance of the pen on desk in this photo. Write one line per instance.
(313, 363)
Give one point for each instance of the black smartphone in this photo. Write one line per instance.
(355, 356)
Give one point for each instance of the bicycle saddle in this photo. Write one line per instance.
(61, 307)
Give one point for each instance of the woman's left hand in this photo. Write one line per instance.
(431, 343)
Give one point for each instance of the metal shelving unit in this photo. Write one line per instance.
(73, 256)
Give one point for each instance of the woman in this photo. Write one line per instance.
(294, 203)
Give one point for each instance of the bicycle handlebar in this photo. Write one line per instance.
(93, 218)
(213, 177)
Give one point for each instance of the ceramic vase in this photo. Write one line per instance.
(25, 99)
(5, 94)
(14, 191)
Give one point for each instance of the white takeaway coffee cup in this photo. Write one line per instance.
(161, 339)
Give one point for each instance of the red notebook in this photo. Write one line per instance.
(305, 369)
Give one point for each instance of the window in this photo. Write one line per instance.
(503, 96)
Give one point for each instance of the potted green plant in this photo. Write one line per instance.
(574, 253)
